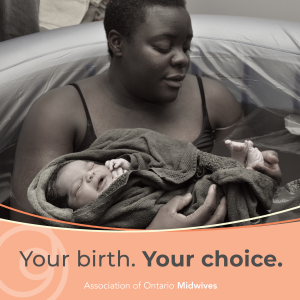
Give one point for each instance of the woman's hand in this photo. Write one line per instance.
(271, 167)
(169, 218)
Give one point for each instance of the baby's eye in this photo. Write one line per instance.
(79, 186)
(92, 166)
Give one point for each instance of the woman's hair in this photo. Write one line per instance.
(125, 15)
(52, 192)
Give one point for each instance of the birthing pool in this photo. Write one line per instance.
(257, 59)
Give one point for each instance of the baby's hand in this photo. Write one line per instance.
(117, 163)
(117, 167)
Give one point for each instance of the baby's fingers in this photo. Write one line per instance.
(121, 162)
(112, 164)
(126, 164)
(109, 165)
(117, 163)
(117, 173)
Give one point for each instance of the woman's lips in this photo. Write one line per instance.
(174, 81)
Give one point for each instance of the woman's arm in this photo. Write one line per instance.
(48, 131)
(224, 113)
(223, 109)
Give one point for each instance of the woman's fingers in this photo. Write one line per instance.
(273, 172)
(220, 213)
(169, 218)
(205, 212)
(178, 203)
(270, 157)
(271, 167)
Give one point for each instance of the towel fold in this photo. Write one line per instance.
(161, 168)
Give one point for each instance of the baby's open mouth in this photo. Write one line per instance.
(100, 183)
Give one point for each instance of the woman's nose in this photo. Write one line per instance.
(180, 59)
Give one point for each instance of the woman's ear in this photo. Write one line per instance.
(114, 40)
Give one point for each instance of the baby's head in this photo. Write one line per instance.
(77, 184)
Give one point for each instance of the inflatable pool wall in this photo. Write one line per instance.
(257, 59)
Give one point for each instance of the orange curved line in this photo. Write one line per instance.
(65, 222)
(127, 229)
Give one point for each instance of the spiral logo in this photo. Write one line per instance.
(48, 274)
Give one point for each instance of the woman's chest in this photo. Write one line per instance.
(182, 122)
(181, 119)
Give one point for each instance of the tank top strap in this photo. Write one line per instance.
(205, 140)
(83, 101)
(204, 108)
(90, 135)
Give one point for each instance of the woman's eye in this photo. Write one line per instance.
(162, 50)
(186, 48)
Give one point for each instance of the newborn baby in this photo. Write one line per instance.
(245, 153)
(80, 182)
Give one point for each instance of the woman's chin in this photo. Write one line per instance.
(161, 96)
(168, 96)
(171, 97)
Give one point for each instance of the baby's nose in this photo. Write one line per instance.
(90, 176)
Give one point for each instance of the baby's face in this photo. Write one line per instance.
(83, 182)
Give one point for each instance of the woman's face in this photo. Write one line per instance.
(156, 58)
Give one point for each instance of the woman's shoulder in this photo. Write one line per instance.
(58, 97)
(62, 104)
(213, 89)
(59, 109)
(223, 108)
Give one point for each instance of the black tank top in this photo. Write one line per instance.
(203, 142)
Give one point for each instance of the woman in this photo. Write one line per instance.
(145, 86)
